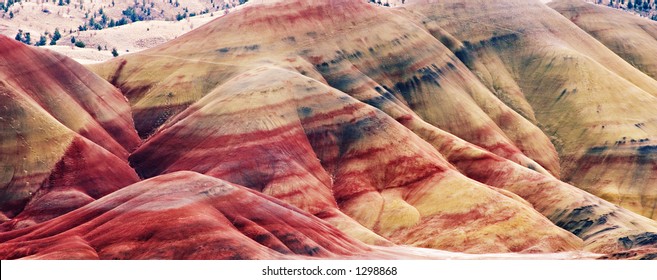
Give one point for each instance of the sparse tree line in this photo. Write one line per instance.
(646, 8)
(98, 20)
(26, 38)
(6, 4)
(140, 10)
(380, 3)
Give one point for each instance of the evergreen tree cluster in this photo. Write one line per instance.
(26, 38)
(98, 20)
(23, 37)
(646, 8)
(6, 4)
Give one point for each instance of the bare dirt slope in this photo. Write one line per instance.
(634, 39)
(579, 91)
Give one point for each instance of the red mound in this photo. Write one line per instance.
(65, 136)
(84, 173)
(182, 215)
(74, 96)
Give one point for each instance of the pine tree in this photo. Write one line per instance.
(56, 36)
(42, 41)
(27, 39)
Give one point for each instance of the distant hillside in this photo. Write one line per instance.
(43, 22)
(108, 27)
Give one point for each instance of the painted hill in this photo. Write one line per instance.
(317, 134)
(182, 215)
(634, 39)
(186, 215)
(66, 135)
(432, 124)
(579, 90)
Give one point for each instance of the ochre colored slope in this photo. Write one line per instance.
(183, 215)
(64, 136)
(632, 38)
(597, 108)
